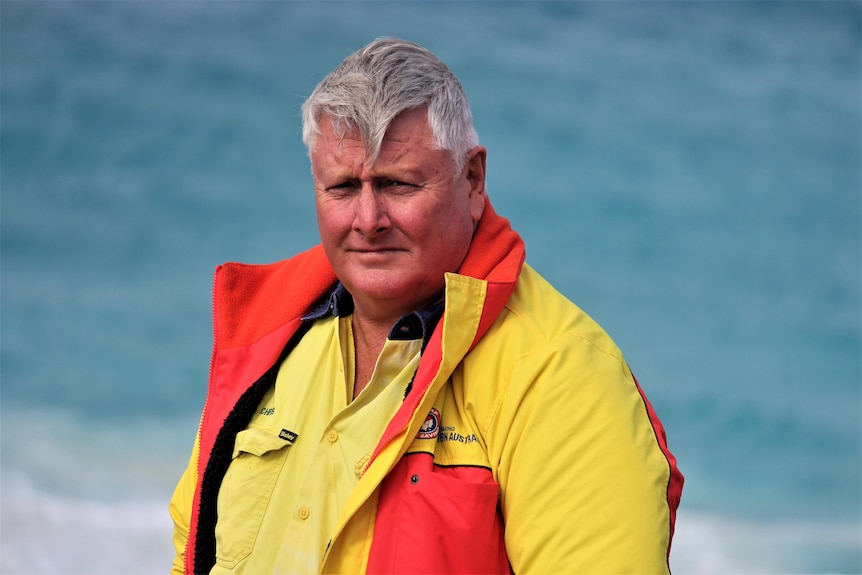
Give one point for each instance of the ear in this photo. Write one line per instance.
(474, 171)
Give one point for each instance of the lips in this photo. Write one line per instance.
(374, 250)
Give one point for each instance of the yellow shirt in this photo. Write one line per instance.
(304, 451)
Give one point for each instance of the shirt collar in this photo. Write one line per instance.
(339, 303)
(414, 325)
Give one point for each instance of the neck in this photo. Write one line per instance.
(371, 326)
(369, 337)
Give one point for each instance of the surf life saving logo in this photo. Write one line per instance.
(431, 427)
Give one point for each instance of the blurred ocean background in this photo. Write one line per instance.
(687, 172)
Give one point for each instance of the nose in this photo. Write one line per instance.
(371, 217)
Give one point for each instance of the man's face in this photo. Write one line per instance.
(392, 229)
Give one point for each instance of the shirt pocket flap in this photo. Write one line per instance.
(257, 442)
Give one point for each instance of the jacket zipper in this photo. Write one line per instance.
(206, 401)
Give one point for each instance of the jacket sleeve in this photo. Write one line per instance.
(180, 509)
(584, 480)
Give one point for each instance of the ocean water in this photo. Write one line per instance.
(687, 172)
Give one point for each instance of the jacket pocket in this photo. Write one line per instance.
(433, 519)
(258, 458)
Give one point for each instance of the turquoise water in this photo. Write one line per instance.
(687, 172)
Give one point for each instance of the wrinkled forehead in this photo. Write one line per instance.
(408, 129)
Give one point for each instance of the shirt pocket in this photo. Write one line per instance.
(258, 458)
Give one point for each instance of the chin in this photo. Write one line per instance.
(394, 286)
(380, 291)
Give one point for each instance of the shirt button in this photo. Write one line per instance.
(332, 436)
(304, 513)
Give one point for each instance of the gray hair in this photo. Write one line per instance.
(376, 83)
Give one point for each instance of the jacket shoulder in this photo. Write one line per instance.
(543, 316)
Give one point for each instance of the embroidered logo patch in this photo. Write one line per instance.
(431, 426)
(288, 436)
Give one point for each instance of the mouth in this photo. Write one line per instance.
(374, 250)
(375, 256)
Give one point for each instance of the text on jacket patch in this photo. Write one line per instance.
(447, 433)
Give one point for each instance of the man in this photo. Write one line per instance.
(410, 396)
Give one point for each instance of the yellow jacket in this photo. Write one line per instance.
(524, 443)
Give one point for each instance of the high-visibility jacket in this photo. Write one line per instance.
(524, 444)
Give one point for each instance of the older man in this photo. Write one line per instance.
(410, 396)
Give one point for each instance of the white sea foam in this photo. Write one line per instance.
(709, 544)
(91, 500)
(42, 533)
(85, 502)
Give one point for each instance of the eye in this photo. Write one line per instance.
(398, 185)
(343, 185)
(343, 188)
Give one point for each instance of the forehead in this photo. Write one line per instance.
(407, 133)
